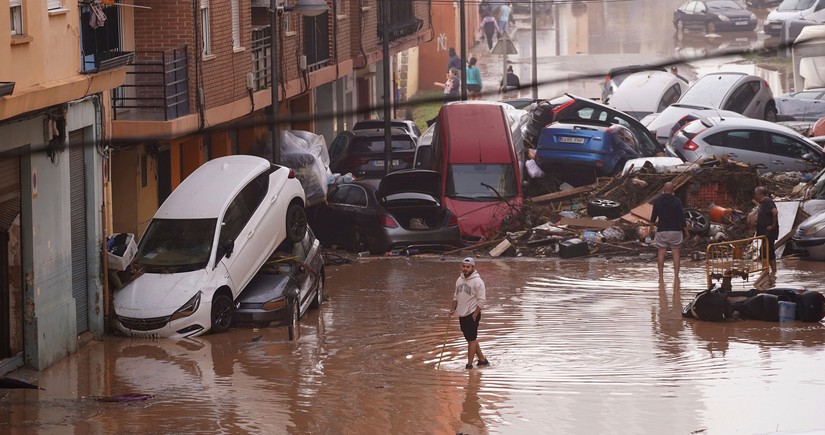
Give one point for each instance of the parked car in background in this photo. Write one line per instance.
(713, 15)
(205, 243)
(809, 238)
(475, 152)
(361, 152)
(741, 93)
(400, 211)
(615, 76)
(288, 284)
(771, 146)
(807, 105)
(577, 151)
(762, 3)
(404, 124)
(808, 10)
(643, 93)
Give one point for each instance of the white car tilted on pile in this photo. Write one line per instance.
(205, 243)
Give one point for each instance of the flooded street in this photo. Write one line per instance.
(586, 346)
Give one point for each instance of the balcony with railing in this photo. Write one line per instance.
(261, 58)
(156, 88)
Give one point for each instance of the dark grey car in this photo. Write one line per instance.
(288, 284)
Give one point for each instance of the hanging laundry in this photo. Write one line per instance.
(97, 17)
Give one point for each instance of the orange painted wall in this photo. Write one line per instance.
(433, 54)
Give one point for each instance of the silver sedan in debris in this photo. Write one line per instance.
(770, 146)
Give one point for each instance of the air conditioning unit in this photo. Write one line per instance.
(302, 63)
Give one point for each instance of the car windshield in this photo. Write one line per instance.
(373, 145)
(795, 5)
(481, 182)
(710, 90)
(176, 245)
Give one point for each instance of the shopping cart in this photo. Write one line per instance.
(742, 258)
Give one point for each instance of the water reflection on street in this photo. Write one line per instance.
(586, 346)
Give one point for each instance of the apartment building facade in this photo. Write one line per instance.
(107, 105)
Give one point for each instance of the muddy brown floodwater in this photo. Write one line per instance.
(587, 346)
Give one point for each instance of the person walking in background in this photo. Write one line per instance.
(452, 86)
(510, 84)
(504, 12)
(767, 224)
(669, 217)
(453, 61)
(473, 77)
(468, 301)
(490, 27)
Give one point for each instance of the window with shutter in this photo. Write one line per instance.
(54, 4)
(16, 13)
(236, 24)
(205, 30)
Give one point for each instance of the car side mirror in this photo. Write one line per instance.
(228, 247)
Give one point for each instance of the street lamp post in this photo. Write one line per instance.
(310, 8)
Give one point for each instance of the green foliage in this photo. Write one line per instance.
(424, 106)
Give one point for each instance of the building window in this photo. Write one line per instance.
(236, 24)
(205, 32)
(54, 4)
(287, 19)
(16, 12)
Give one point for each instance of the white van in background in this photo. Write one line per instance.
(806, 10)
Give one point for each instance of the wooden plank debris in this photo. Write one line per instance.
(564, 194)
(585, 223)
(500, 248)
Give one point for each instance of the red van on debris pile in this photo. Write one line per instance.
(473, 149)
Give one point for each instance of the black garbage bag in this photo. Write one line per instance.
(710, 305)
(764, 306)
(540, 117)
(810, 306)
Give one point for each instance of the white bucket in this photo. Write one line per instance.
(787, 311)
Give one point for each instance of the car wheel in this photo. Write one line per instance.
(358, 242)
(771, 114)
(696, 221)
(296, 223)
(604, 207)
(710, 27)
(680, 25)
(221, 313)
(319, 294)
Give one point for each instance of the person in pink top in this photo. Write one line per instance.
(490, 27)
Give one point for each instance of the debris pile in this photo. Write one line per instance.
(612, 216)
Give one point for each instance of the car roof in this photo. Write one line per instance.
(569, 124)
(379, 123)
(369, 132)
(632, 69)
(753, 123)
(207, 190)
(641, 91)
(475, 142)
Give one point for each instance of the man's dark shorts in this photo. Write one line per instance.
(771, 249)
(469, 326)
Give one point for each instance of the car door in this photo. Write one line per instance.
(790, 154)
(347, 206)
(239, 225)
(747, 146)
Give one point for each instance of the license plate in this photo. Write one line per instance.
(380, 163)
(740, 23)
(776, 26)
(569, 139)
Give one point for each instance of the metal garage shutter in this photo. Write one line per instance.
(77, 191)
(9, 191)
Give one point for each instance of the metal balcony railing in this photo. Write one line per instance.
(156, 88)
(261, 57)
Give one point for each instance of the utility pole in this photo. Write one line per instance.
(463, 35)
(535, 71)
(385, 48)
(275, 121)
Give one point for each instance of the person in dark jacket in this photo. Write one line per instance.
(669, 217)
(453, 61)
(767, 224)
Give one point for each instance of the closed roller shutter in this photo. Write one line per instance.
(77, 190)
(9, 191)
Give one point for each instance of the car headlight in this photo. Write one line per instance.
(188, 308)
(815, 229)
(753, 16)
(274, 304)
(723, 17)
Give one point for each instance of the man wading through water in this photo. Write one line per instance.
(468, 301)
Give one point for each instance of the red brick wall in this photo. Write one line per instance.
(169, 24)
